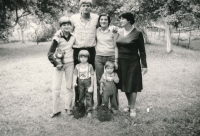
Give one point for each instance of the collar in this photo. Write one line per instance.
(67, 38)
(128, 32)
(105, 31)
(86, 19)
(133, 27)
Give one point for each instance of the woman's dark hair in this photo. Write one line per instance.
(128, 16)
(103, 14)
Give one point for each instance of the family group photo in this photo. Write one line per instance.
(100, 67)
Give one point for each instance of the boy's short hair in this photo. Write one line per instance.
(83, 53)
(109, 64)
(64, 20)
(85, 2)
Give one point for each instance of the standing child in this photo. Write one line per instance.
(85, 83)
(107, 87)
(64, 66)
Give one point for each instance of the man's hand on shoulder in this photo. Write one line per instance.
(114, 29)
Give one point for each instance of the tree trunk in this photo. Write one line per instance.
(168, 36)
(164, 35)
(22, 35)
(18, 34)
(189, 39)
(36, 36)
(178, 36)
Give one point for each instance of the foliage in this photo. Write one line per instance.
(174, 12)
(11, 11)
(108, 6)
(99, 6)
(179, 13)
(43, 32)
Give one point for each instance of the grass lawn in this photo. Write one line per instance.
(171, 91)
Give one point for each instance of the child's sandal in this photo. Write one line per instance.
(52, 115)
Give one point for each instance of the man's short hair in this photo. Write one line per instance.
(64, 20)
(85, 2)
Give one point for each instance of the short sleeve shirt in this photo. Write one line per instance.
(83, 72)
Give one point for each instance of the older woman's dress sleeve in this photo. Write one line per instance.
(142, 51)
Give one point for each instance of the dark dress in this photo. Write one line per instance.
(131, 50)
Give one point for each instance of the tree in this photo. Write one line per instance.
(171, 12)
(107, 6)
(11, 11)
(142, 20)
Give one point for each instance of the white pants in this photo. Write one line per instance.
(57, 80)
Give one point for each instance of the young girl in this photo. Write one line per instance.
(65, 44)
(85, 83)
(108, 88)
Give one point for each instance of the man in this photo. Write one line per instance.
(84, 30)
(85, 24)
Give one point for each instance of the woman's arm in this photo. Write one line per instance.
(74, 80)
(116, 50)
(101, 88)
(142, 53)
(92, 75)
(101, 84)
(75, 75)
(91, 88)
(92, 81)
(52, 50)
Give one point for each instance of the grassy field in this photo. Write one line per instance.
(171, 91)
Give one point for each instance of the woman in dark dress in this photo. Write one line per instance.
(132, 60)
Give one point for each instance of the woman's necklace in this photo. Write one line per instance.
(127, 32)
